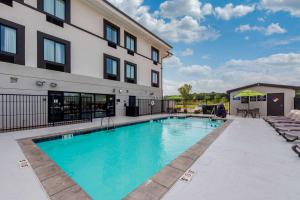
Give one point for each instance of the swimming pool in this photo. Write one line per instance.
(110, 164)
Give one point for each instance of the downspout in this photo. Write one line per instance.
(169, 55)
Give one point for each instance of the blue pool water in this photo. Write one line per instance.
(110, 164)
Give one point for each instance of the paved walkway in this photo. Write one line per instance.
(247, 162)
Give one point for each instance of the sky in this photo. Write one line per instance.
(220, 45)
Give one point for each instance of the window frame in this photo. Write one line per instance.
(44, 64)
(107, 23)
(40, 6)
(126, 34)
(107, 75)
(130, 80)
(158, 78)
(153, 49)
(19, 56)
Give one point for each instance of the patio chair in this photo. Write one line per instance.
(296, 149)
(255, 113)
(240, 111)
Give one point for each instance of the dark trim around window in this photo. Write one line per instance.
(53, 19)
(129, 80)
(10, 2)
(126, 34)
(152, 50)
(41, 63)
(107, 23)
(155, 84)
(19, 57)
(110, 76)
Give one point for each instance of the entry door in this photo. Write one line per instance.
(110, 101)
(275, 103)
(55, 106)
(132, 101)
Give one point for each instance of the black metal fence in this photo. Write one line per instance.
(18, 112)
(152, 106)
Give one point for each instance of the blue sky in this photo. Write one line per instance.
(219, 45)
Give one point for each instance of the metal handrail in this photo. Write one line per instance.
(108, 123)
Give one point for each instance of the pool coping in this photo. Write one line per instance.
(59, 185)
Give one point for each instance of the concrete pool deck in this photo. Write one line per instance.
(248, 161)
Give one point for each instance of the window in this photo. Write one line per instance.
(111, 33)
(155, 55)
(111, 68)
(58, 11)
(262, 98)
(252, 99)
(55, 8)
(130, 42)
(8, 40)
(245, 100)
(12, 42)
(155, 78)
(54, 53)
(130, 72)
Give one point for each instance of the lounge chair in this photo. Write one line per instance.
(292, 116)
(294, 119)
(296, 149)
(290, 136)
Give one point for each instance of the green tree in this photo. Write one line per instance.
(185, 92)
(207, 98)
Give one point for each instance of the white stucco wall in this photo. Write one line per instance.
(86, 50)
(289, 95)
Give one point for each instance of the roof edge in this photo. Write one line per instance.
(137, 23)
(266, 85)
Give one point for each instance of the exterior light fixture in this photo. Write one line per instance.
(120, 91)
(13, 79)
(40, 83)
(53, 85)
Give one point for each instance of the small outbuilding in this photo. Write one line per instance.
(277, 101)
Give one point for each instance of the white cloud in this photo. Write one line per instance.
(184, 27)
(181, 8)
(282, 42)
(196, 70)
(290, 6)
(277, 68)
(230, 11)
(187, 52)
(273, 28)
(172, 62)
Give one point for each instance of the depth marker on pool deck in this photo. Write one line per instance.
(23, 163)
(188, 176)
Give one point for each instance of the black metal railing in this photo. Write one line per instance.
(19, 112)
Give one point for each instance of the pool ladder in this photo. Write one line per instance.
(110, 123)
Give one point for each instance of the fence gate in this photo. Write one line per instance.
(154, 106)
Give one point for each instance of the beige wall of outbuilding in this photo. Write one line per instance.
(289, 95)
